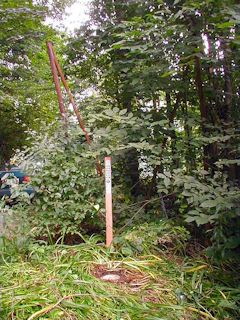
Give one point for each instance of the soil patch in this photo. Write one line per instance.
(120, 276)
(149, 289)
(132, 280)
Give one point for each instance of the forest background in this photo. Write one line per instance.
(157, 83)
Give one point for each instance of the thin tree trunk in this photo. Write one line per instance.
(199, 85)
(171, 117)
(209, 151)
(132, 164)
(228, 81)
(228, 91)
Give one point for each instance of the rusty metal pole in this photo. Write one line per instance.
(75, 108)
(71, 99)
(56, 82)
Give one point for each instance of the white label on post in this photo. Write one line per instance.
(108, 176)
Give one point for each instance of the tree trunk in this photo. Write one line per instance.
(209, 151)
(227, 110)
(132, 163)
(171, 113)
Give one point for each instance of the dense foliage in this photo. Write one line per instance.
(165, 77)
(174, 64)
(157, 82)
(69, 194)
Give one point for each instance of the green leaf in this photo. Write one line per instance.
(167, 182)
(96, 207)
(190, 219)
(122, 112)
(135, 81)
(127, 251)
(208, 204)
(226, 25)
(167, 73)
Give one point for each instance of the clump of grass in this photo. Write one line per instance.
(213, 288)
(163, 235)
(57, 282)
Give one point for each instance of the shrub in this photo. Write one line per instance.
(209, 201)
(69, 194)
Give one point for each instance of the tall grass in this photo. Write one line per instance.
(56, 282)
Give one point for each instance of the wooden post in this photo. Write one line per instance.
(108, 201)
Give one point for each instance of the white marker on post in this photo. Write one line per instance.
(108, 201)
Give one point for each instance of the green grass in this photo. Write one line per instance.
(56, 282)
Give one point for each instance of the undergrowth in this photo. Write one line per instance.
(57, 282)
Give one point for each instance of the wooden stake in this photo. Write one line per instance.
(108, 201)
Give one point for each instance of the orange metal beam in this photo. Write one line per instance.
(56, 82)
(56, 69)
(71, 99)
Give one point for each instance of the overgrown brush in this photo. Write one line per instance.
(68, 193)
(212, 204)
(161, 236)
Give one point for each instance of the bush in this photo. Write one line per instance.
(211, 202)
(69, 194)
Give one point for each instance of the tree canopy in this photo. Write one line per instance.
(175, 66)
